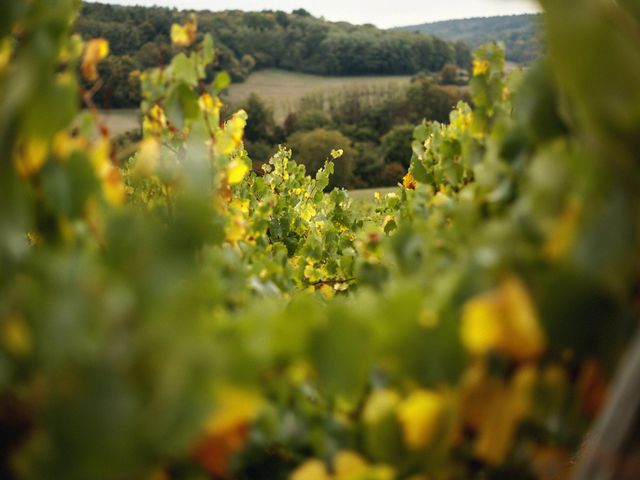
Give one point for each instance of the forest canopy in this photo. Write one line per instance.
(139, 38)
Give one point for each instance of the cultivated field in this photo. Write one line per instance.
(282, 90)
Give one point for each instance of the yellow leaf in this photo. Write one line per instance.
(380, 403)
(154, 121)
(419, 415)
(95, 51)
(236, 229)
(64, 145)
(227, 430)
(348, 464)
(147, 159)
(335, 154)
(481, 329)
(504, 320)
(563, 235)
(307, 212)
(113, 186)
(229, 138)
(311, 470)
(210, 104)
(6, 50)
(240, 206)
(236, 171)
(327, 291)
(506, 407)
(16, 336)
(524, 339)
(233, 405)
(480, 67)
(184, 35)
(409, 182)
(31, 156)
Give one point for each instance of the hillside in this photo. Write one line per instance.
(247, 41)
(520, 33)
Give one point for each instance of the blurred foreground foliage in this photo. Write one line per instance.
(182, 317)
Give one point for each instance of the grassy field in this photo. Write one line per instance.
(368, 194)
(282, 90)
(120, 121)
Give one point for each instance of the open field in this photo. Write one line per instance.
(120, 121)
(368, 194)
(282, 89)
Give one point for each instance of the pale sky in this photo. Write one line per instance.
(383, 13)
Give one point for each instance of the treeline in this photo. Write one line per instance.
(521, 34)
(373, 126)
(140, 38)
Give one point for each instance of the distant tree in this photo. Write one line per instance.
(311, 120)
(301, 12)
(248, 63)
(261, 123)
(396, 145)
(313, 149)
(368, 165)
(246, 41)
(153, 54)
(119, 89)
(449, 74)
(463, 55)
(425, 99)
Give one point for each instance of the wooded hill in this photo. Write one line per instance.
(521, 34)
(140, 38)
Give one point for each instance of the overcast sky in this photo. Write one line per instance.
(383, 13)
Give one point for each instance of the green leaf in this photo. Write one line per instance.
(66, 188)
(208, 53)
(182, 104)
(184, 69)
(341, 353)
(222, 81)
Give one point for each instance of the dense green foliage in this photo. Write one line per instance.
(139, 38)
(180, 317)
(521, 34)
(373, 123)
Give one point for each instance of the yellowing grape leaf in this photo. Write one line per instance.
(409, 182)
(504, 320)
(227, 429)
(420, 415)
(349, 464)
(147, 158)
(506, 405)
(184, 35)
(95, 51)
(30, 157)
(311, 470)
(480, 67)
(6, 50)
(236, 171)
